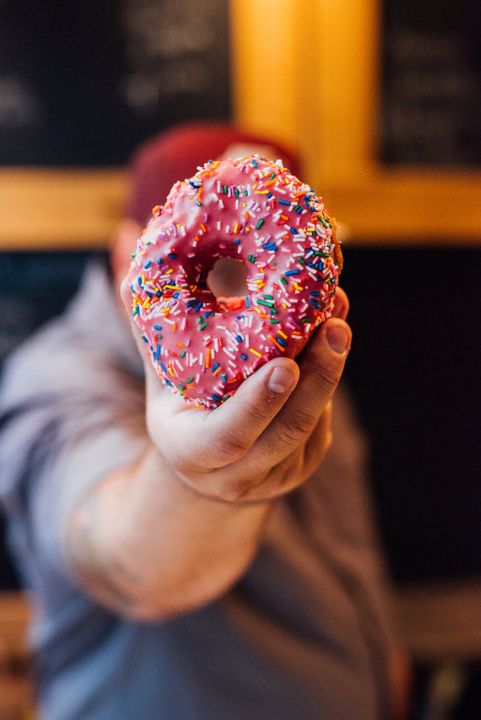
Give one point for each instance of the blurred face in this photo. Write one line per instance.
(124, 243)
(227, 278)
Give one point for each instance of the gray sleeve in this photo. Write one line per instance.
(75, 465)
(58, 439)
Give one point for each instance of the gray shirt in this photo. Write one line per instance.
(301, 636)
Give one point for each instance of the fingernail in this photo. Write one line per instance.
(281, 380)
(338, 339)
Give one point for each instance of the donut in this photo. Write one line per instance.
(254, 211)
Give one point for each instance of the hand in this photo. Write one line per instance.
(174, 530)
(265, 440)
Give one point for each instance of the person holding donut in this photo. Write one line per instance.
(204, 565)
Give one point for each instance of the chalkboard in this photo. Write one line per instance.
(431, 82)
(82, 83)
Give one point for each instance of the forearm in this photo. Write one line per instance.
(147, 545)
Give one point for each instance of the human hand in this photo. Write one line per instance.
(265, 440)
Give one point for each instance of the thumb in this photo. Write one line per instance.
(222, 436)
(236, 425)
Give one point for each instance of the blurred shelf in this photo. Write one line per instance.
(78, 209)
(59, 208)
(407, 207)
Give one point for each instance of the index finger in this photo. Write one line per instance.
(219, 437)
(203, 440)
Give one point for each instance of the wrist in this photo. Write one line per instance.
(212, 492)
(186, 548)
(153, 482)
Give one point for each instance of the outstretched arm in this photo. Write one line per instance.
(175, 530)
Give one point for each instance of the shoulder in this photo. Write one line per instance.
(67, 383)
(86, 352)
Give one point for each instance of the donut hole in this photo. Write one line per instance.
(228, 279)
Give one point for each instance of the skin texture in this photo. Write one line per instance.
(259, 446)
(177, 528)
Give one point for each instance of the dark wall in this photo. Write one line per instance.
(414, 370)
(414, 374)
(48, 281)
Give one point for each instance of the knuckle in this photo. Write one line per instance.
(184, 464)
(326, 375)
(283, 473)
(288, 474)
(257, 414)
(229, 447)
(181, 465)
(235, 491)
(295, 428)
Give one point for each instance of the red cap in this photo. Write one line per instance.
(175, 154)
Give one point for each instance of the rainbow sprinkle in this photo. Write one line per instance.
(255, 211)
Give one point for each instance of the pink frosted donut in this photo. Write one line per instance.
(257, 212)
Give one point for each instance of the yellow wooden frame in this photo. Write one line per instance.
(50, 209)
(306, 72)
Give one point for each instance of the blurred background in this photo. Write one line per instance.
(382, 98)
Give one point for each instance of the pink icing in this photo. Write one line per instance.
(255, 211)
